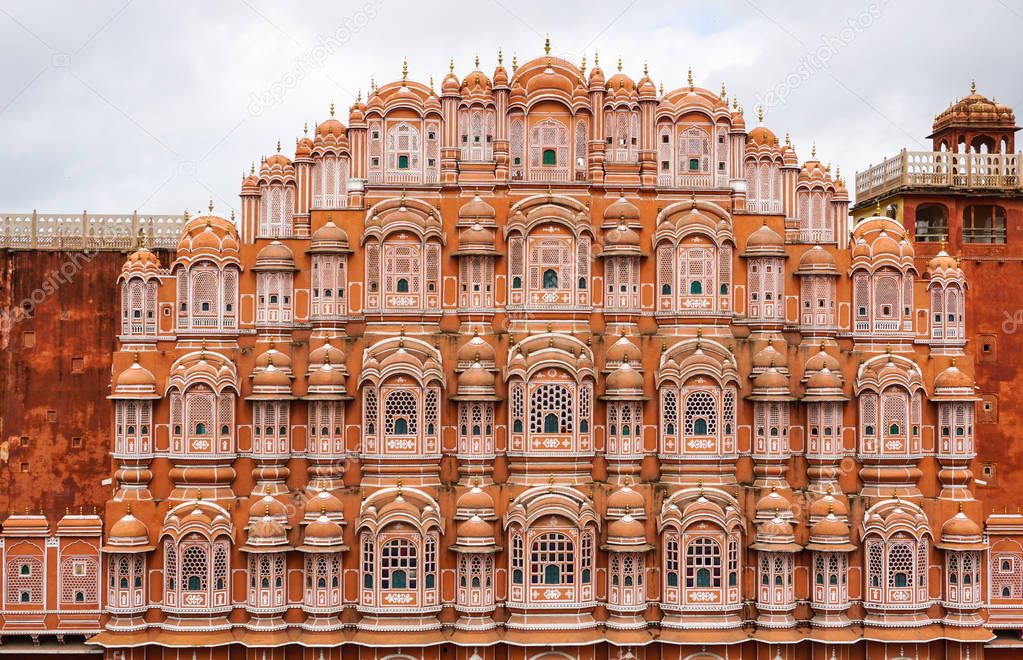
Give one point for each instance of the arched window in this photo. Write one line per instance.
(696, 288)
(552, 560)
(931, 223)
(550, 279)
(399, 565)
(550, 157)
(984, 223)
(551, 424)
(402, 286)
(703, 563)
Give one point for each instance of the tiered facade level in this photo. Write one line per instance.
(546, 364)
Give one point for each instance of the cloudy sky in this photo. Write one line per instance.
(160, 105)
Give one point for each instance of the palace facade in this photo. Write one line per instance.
(545, 363)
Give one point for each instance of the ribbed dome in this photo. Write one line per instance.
(323, 532)
(621, 210)
(129, 530)
(476, 349)
(275, 256)
(475, 528)
(960, 527)
(623, 379)
(623, 350)
(136, 376)
(765, 242)
(626, 528)
(626, 498)
(476, 210)
(475, 499)
(761, 135)
(953, 377)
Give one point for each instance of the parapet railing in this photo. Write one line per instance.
(89, 231)
(940, 169)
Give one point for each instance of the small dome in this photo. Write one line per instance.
(775, 530)
(476, 349)
(624, 350)
(331, 127)
(942, 262)
(324, 503)
(475, 499)
(129, 530)
(329, 238)
(825, 379)
(136, 377)
(275, 256)
(477, 210)
(624, 379)
(267, 531)
(271, 377)
(769, 356)
(323, 532)
(327, 376)
(141, 260)
(772, 502)
(822, 360)
(626, 528)
(621, 210)
(621, 236)
(960, 527)
(626, 498)
(828, 503)
(270, 506)
(327, 353)
(817, 260)
(761, 135)
(476, 377)
(475, 528)
(953, 377)
(765, 241)
(273, 356)
(771, 379)
(830, 527)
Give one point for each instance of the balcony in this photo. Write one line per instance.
(330, 201)
(939, 169)
(88, 231)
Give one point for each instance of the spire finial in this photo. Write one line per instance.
(404, 69)
(973, 86)
(646, 69)
(515, 62)
(397, 486)
(451, 65)
(690, 77)
(788, 140)
(735, 103)
(619, 63)
(278, 145)
(582, 66)
(760, 114)
(547, 45)
(550, 483)
(476, 61)
(596, 57)
(332, 107)
(660, 88)
(305, 128)
(813, 150)
(723, 90)
(500, 57)
(210, 205)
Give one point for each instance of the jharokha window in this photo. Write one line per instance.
(196, 574)
(551, 413)
(701, 568)
(693, 276)
(697, 419)
(399, 568)
(552, 563)
(550, 266)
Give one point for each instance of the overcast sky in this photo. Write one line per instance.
(157, 106)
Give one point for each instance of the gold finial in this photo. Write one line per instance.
(515, 62)
(476, 482)
(788, 140)
(186, 215)
(372, 83)
(135, 357)
(305, 128)
(547, 45)
(358, 95)
(500, 57)
(550, 483)
(723, 91)
(451, 65)
(760, 114)
(252, 167)
(690, 77)
(397, 486)
(661, 88)
(582, 66)
(813, 150)
(404, 69)
(210, 205)
(973, 86)
(332, 106)
(619, 63)
(431, 83)
(646, 69)
(232, 215)
(278, 145)
(596, 57)
(476, 61)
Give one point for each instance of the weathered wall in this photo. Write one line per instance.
(46, 400)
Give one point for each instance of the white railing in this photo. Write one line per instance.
(939, 169)
(764, 206)
(403, 177)
(816, 236)
(549, 174)
(330, 201)
(88, 231)
(686, 181)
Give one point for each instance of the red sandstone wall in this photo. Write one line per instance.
(44, 397)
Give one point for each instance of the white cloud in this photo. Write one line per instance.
(120, 105)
